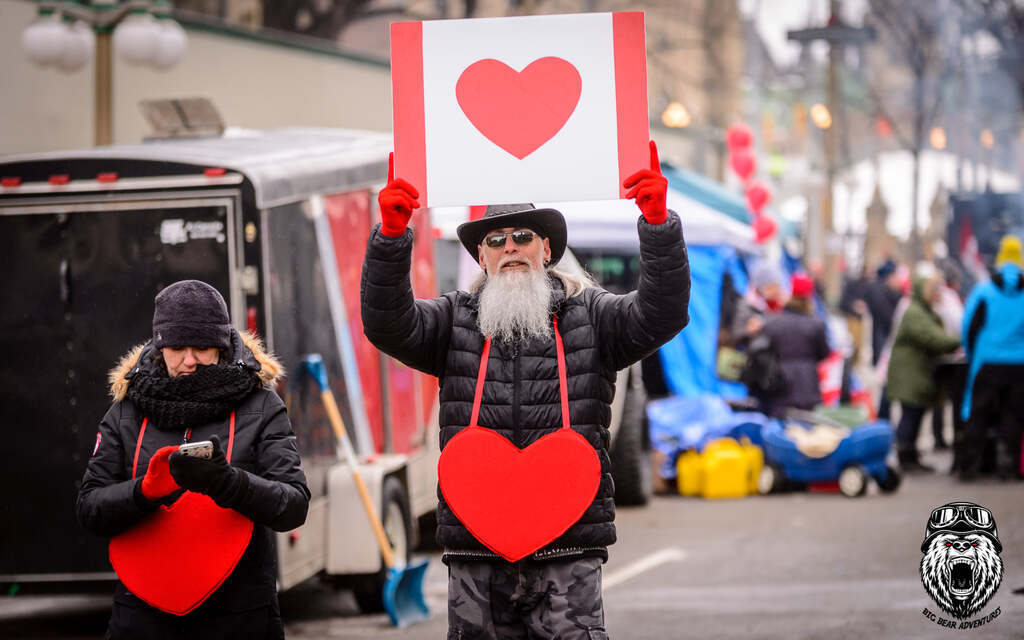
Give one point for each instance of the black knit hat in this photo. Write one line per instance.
(191, 313)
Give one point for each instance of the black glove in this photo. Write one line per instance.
(216, 478)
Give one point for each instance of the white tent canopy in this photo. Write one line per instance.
(611, 224)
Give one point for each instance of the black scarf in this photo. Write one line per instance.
(207, 395)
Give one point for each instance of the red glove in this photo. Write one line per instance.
(649, 188)
(158, 482)
(396, 200)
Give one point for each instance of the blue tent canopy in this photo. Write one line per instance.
(688, 360)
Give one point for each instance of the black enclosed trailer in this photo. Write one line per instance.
(277, 221)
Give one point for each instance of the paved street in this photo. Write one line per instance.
(789, 566)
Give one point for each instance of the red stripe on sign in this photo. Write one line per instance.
(631, 93)
(407, 104)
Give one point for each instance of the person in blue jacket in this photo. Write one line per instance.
(993, 331)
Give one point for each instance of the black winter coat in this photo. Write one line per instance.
(602, 333)
(882, 302)
(110, 501)
(801, 342)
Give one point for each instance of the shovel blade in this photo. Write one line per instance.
(403, 594)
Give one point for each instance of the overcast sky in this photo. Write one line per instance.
(775, 17)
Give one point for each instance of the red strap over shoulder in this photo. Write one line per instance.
(480, 382)
(563, 386)
(231, 435)
(138, 446)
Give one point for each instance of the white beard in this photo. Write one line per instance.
(514, 305)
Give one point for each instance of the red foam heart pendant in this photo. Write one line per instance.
(519, 110)
(178, 556)
(515, 501)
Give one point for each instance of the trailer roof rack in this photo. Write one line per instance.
(182, 118)
(283, 165)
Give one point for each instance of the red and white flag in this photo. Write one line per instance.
(538, 108)
(969, 255)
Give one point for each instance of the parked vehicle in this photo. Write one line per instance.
(278, 222)
(603, 237)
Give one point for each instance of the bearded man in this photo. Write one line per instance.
(537, 323)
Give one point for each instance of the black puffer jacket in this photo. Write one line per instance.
(602, 333)
(110, 501)
(802, 343)
(882, 302)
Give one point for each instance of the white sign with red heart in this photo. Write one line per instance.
(502, 110)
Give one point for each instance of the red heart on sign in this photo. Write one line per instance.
(178, 556)
(515, 501)
(519, 111)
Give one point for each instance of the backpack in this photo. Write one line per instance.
(763, 373)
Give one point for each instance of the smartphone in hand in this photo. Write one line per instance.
(202, 449)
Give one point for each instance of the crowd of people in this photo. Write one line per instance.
(930, 346)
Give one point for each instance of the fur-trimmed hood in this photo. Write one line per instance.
(246, 350)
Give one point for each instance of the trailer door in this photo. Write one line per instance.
(79, 294)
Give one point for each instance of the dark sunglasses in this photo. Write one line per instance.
(519, 236)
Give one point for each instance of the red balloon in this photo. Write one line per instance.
(764, 228)
(738, 136)
(758, 196)
(743, 163)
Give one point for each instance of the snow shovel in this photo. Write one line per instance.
(403, 589)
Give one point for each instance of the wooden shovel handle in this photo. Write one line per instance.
(339, 431)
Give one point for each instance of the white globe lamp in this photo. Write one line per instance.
(137, 38)
(171, 44)
(44, 39)
(78, 49)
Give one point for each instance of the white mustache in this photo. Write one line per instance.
(513, 258)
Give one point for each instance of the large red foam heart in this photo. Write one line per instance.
(519, 111)
(515, 501)
(177, 557)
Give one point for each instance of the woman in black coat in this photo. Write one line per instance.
(800, 340)
(197, 379)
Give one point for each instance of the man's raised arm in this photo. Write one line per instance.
(632, 326)
(415, 332)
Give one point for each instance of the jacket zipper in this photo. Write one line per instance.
(516, 430)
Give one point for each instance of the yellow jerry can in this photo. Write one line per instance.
(688, 473)
(725, 469)
(755, 460)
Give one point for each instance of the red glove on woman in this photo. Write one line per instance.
(649, 188)
(396, 200)
(158, 482)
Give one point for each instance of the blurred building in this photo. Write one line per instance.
(325, 63)
(257, 79)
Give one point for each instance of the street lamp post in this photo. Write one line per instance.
(65, 35)
(837, 35)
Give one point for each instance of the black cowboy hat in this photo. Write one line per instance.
(549, 223)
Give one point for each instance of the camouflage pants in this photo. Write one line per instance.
(527, 601)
